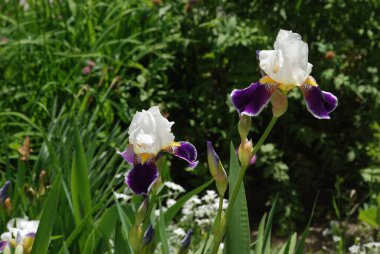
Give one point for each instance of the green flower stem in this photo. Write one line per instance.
(152, 202)
(239, 181)
(218, 227)
(243, 168)
(265, 135)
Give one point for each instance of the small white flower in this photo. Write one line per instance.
(336, 238)
(288, 63)
(150, 132)
(174, 187)
(179, 232)
(123, 196)
(354, 249)
(373, 245)
(170, 202)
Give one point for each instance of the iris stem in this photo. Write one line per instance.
(218, 227)
(239, 181)
(152, 202)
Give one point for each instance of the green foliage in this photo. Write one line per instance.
(371, 214)
(238, 230)
(187, 60)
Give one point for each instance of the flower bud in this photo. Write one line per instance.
(42, 189)
(216, 169)
(244, 126)
(7, 249)
(141, 212)
(134, 237)
(148, 235)
(279, 103)
(185, 243)
(8, 206)
(245, 152)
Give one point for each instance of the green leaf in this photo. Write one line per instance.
(260, 235)
(80, 185)
(268, 228)
(238, 231)
(126, 224)
(104, 228)
(369, 216)
(172, 211)
(45, 228)
(162, 230)
(301, 244)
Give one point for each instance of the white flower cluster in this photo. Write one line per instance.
(367, 248)
(202, 211)
(198, 213)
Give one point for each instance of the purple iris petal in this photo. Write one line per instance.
(251, 100)
(318, 102)
(31, 234)
(3, 191)
(141, 177)
(2, 245)
(185, 151)
(129, 154)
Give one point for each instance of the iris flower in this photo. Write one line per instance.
(21, 232)
(149, 136)
(285, 67)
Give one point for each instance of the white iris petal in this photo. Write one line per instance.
(288, 62)
(150, 132)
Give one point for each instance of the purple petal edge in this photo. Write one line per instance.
(141, 177)
(2, 245)
(319, 103)
(32, 234)
(187, 152)
(251, 100)
(128, 155)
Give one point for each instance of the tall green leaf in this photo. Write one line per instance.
(80, 185)
(301, 244)
(238, 232)
(268, 228)
(162, 230)
(45, 228)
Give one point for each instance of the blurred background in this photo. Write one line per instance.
(105, 60)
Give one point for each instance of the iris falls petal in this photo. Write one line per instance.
(141, 177)
(318, 102)
(185, 151)
(252, 100)
(129, 154)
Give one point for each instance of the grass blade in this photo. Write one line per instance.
(301, 244)
(162, 230)
(80, 185)
(41, 242)
(268, 227)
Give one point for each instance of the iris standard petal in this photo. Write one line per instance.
(318, 102)
(252, 100)
(185, 151)
(129, 154)
(141, 177)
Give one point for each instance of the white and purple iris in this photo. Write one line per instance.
(285, 67)
(150, 135)
(21, 233)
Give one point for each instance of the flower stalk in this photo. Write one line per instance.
(239, 180)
